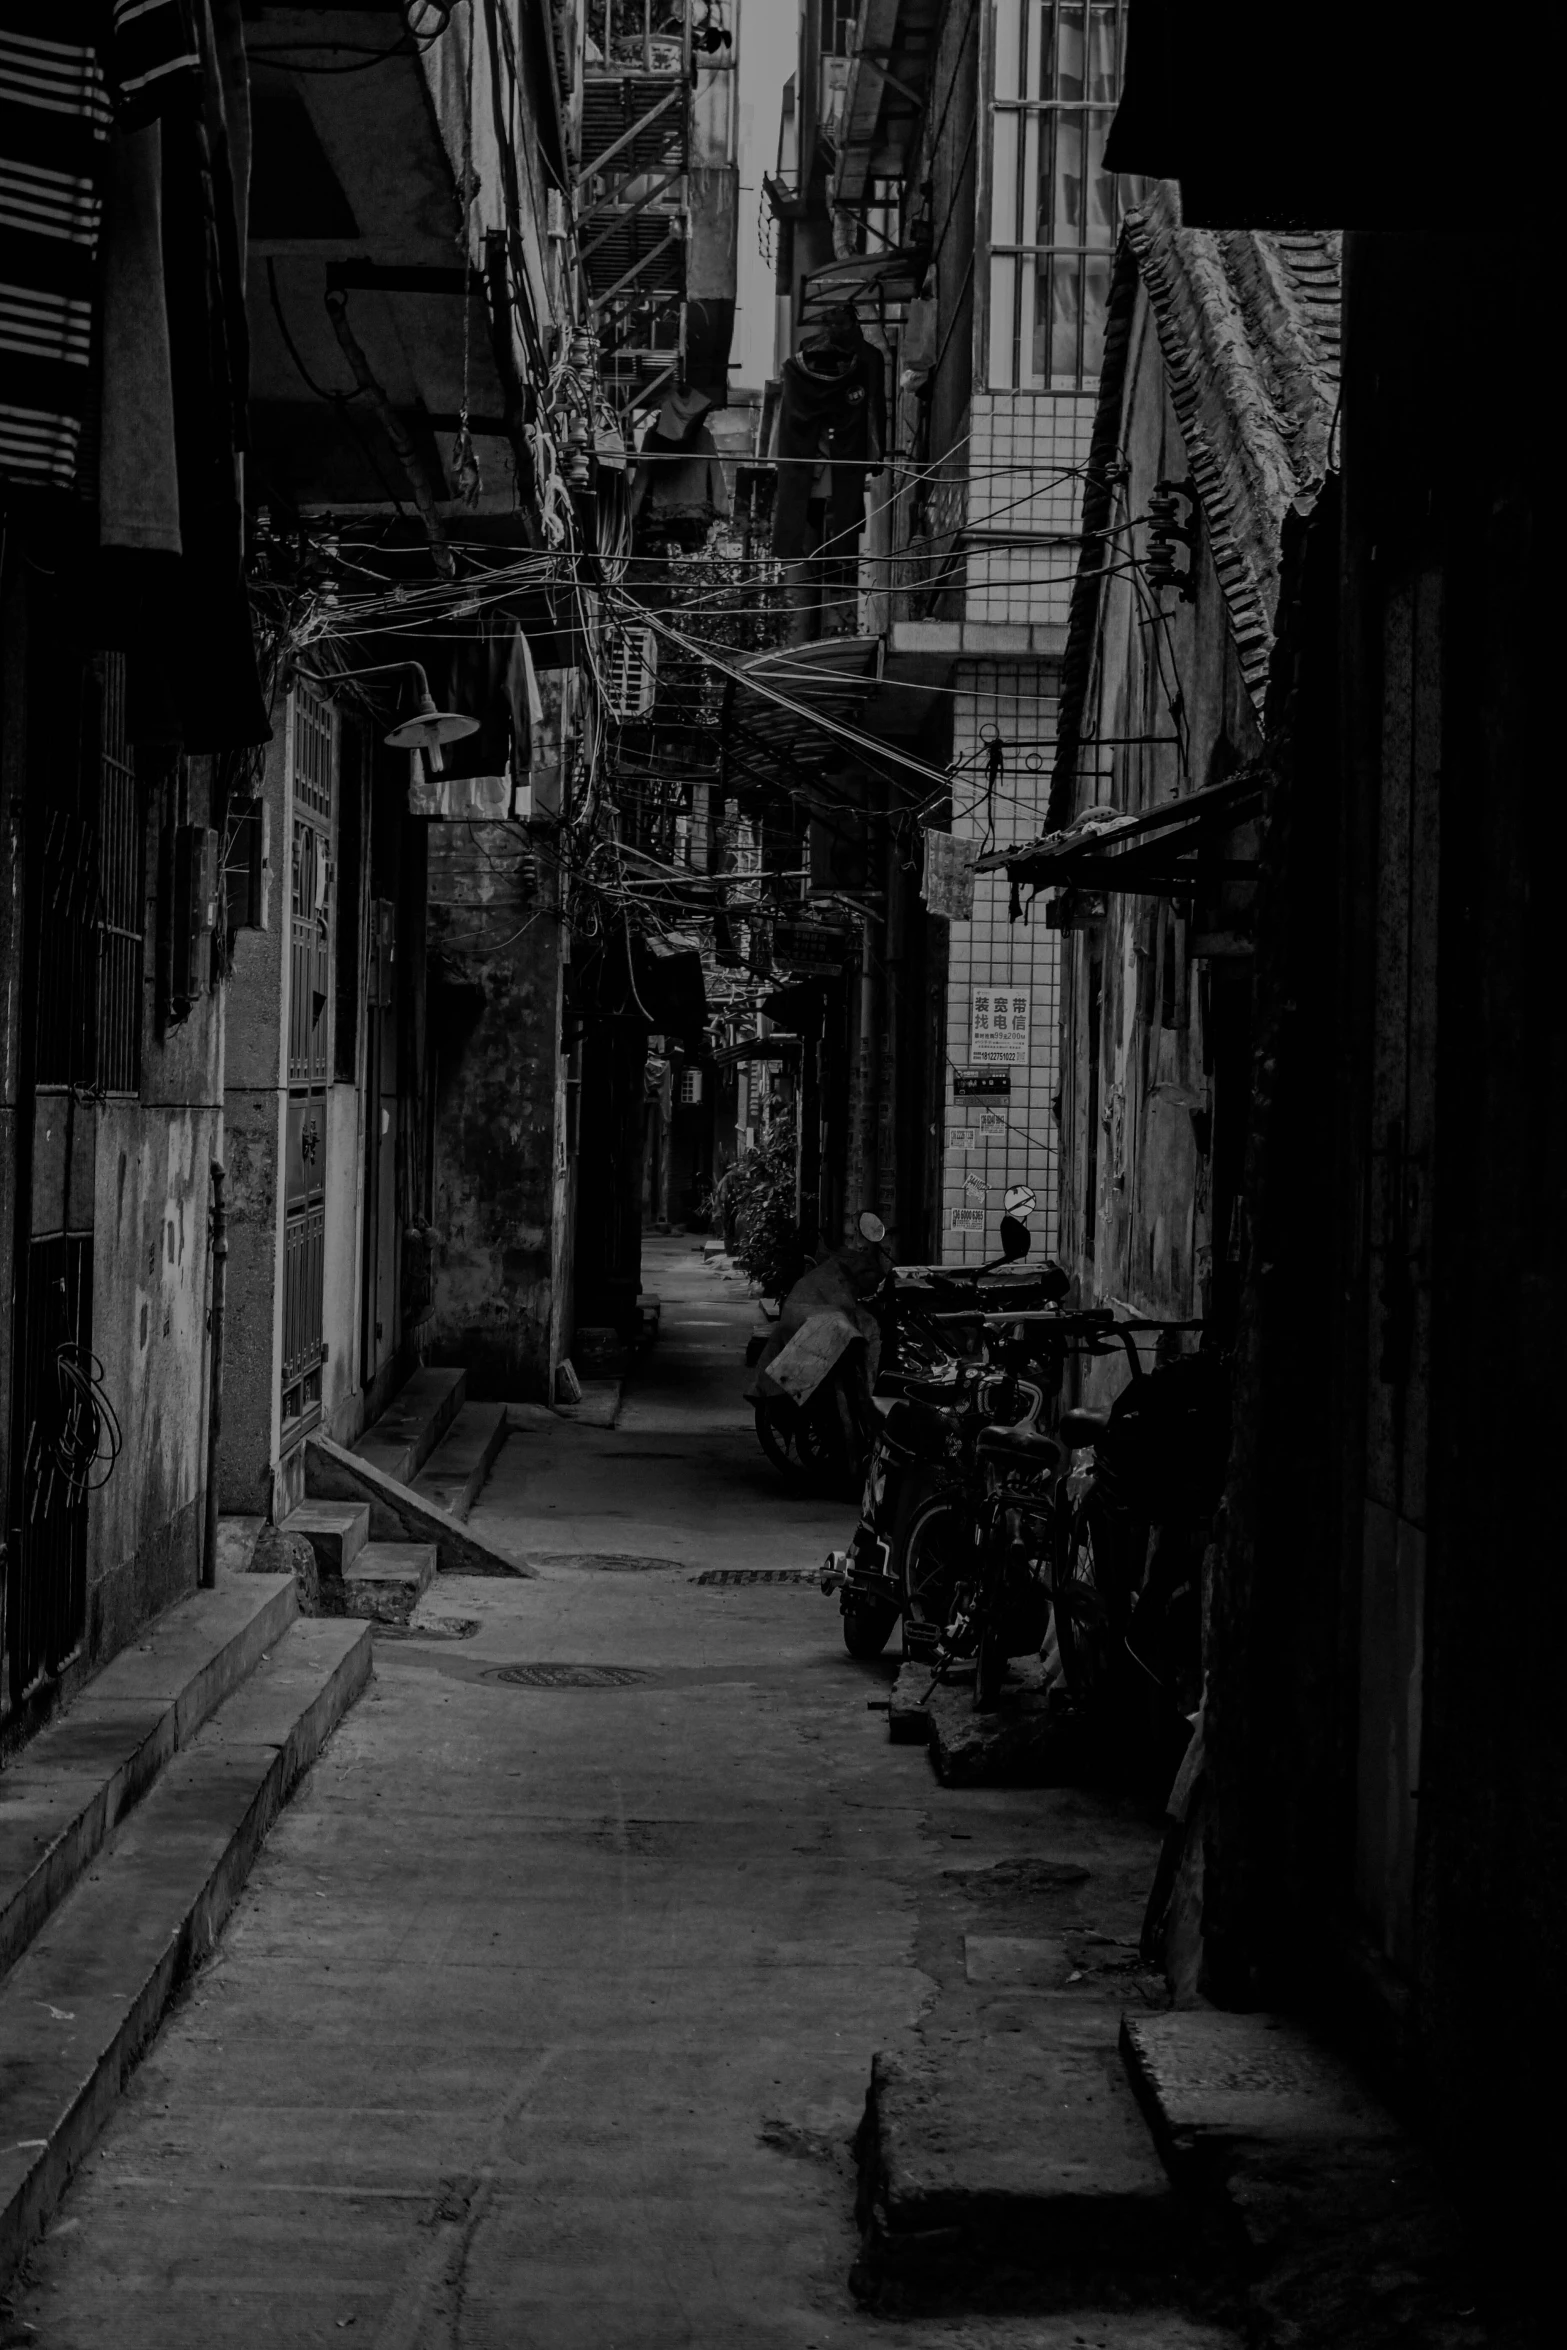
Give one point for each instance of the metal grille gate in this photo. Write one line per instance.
(79, 1036)
(309, 1048)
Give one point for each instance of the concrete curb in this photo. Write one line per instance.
(398, 1514)
(111, 1962)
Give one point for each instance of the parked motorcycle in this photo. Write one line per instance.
(935, 1390)
(812, 1393)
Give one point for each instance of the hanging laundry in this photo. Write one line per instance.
(66, 74)
(832, 429)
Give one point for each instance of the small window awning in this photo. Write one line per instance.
(1202, 838)
(756, 1048)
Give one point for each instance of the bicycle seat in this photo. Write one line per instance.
(1024, 1447)
(1083, 1427)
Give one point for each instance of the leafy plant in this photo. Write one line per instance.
(761, 1189)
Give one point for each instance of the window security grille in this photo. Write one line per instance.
(690, 1085)
(1054, 212)
(633, 672)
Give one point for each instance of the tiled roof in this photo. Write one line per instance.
(1248, 324)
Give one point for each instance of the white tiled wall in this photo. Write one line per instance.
(1025, 455)
(1023, 451)
(1018, 699)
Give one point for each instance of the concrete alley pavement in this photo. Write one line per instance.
(546, 2018)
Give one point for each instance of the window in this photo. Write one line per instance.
(690, 1085)
(1054, 214)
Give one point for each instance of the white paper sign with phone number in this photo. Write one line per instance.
(998, 1027)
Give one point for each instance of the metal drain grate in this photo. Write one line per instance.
(571, 1676)
(440, 1628)
(603, 1562)
(809, 1575)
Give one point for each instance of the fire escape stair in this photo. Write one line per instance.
(127, 1829)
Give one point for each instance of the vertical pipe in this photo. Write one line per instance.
(220, 1255)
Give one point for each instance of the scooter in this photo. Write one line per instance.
(815, 1376)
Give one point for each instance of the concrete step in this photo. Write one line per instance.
(399, 1514)
(1024, 2147)
(336, 1531)
(66, 1791)
(80, 2005)
(413, 1423)
(455, 1472)
(1346, 2228)
(388, 1579)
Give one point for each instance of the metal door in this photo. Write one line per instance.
(378, 1338)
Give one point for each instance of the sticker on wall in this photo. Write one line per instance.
(962, 1138)
(973, 1187)
(967, 1220)
(998, 1027)
(992, 1122)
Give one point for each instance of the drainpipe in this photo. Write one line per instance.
(220, 1258)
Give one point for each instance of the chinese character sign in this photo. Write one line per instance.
(998, 1029)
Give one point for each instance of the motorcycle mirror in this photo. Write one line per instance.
(871, 1226)
(1016, 1239)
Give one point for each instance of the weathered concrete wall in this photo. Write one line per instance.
(1138, 1130)
(342, 1404)
(495, 1012)
(151, 1286)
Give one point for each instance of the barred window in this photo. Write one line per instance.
(1054, 212)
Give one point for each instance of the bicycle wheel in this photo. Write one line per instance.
(779, 1433)
(937, 1551)
(1082, 1602)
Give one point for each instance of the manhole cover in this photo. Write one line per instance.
(603, 1562)
(758, 1575)
(571, 1676)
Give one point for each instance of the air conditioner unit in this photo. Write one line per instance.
(632, 666)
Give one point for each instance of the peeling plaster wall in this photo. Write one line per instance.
(151, 1287)
(502, 1176)
(1137, 1180)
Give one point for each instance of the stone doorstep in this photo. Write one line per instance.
(1348, 2233)
(454, 1474)
(81, 2004)
(1025, 2146)
(1024, 1743)
(1207, 2079)
(388, 1579)
(414, 1422)
(336, 1531)
(63, 1794)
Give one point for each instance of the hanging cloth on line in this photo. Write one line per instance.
(832, 411)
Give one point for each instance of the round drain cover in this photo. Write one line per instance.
(571, 1676)
(603, 1562)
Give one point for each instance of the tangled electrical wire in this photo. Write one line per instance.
(82, 1446)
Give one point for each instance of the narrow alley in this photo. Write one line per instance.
(780, 1066)
(547, 2015)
